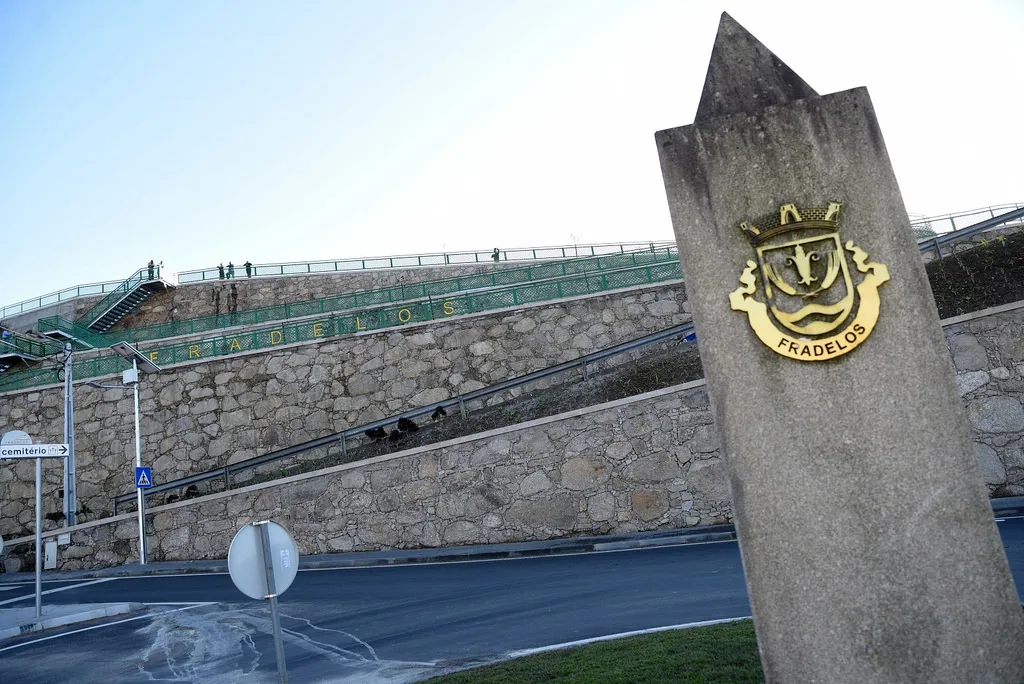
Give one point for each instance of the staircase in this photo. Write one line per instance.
(124, 299)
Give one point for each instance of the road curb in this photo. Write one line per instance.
(32, 626)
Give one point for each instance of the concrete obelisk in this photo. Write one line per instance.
(869, 547)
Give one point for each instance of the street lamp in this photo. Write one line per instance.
(130, 378)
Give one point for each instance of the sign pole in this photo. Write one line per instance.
(39, 537)
(268, 565)
(140, 493)
(70, 479)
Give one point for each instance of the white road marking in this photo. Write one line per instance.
(107, 624)
(54, 591)
(420, 564)
(621, 635)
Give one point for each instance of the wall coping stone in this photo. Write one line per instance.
(992, 311)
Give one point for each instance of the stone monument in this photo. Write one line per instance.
(870, 549)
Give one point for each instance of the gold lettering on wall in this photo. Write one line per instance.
(449, 309)
(408, 315)
(234, 345)
(152, 356)
(359, 326)
(318, 330)
(279, 337)
(193, 351)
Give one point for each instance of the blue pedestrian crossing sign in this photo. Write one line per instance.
(144, 477)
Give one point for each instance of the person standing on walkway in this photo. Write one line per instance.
(231, 270)
(248, 269)
(220, 271)
(496, 255)
(151, 266)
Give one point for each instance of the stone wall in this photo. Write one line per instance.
(640, 463)
(988, 357)
(204, 415)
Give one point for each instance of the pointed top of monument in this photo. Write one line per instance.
(744, 76)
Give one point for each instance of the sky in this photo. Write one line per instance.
(202, 132)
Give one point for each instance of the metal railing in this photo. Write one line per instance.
(399, 293)
(143, 275)
(923, 227)
(22, 345)
(417, 260)
(339, 438)
(939, 240)
(57, 297)
(371, 319)
(926, 228)
(86, 336)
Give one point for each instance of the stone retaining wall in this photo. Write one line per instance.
(201, 416)
(988, 358)
(640, 463)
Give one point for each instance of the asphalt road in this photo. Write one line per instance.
(395, 623)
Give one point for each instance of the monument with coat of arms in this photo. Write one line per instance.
(868, 543)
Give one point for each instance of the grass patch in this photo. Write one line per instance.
(725, 653)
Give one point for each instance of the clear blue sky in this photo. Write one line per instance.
(203, 132)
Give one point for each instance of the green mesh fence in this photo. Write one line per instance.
(372, 319)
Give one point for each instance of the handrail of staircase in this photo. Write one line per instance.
(459, 401)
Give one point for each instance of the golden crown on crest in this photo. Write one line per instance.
(790, 218)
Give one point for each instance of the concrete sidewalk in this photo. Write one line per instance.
(19, 621)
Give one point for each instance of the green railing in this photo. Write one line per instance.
(143, 275)
(26, 346)
(399, 293)
(375, 319)
(416, 260)
(88, 336)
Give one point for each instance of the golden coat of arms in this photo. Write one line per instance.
(812, 310)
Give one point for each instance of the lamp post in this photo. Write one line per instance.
(130, 378)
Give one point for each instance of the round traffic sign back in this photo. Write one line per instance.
(247, 566)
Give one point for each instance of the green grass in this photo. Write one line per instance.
(701, 655)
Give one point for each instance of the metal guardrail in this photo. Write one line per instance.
(944, 239)
(417, 260)
(57, 297)
(372, 319)
(399, 293)
(459, 401)
(22, 345)
(928, 226)
(931, 226)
